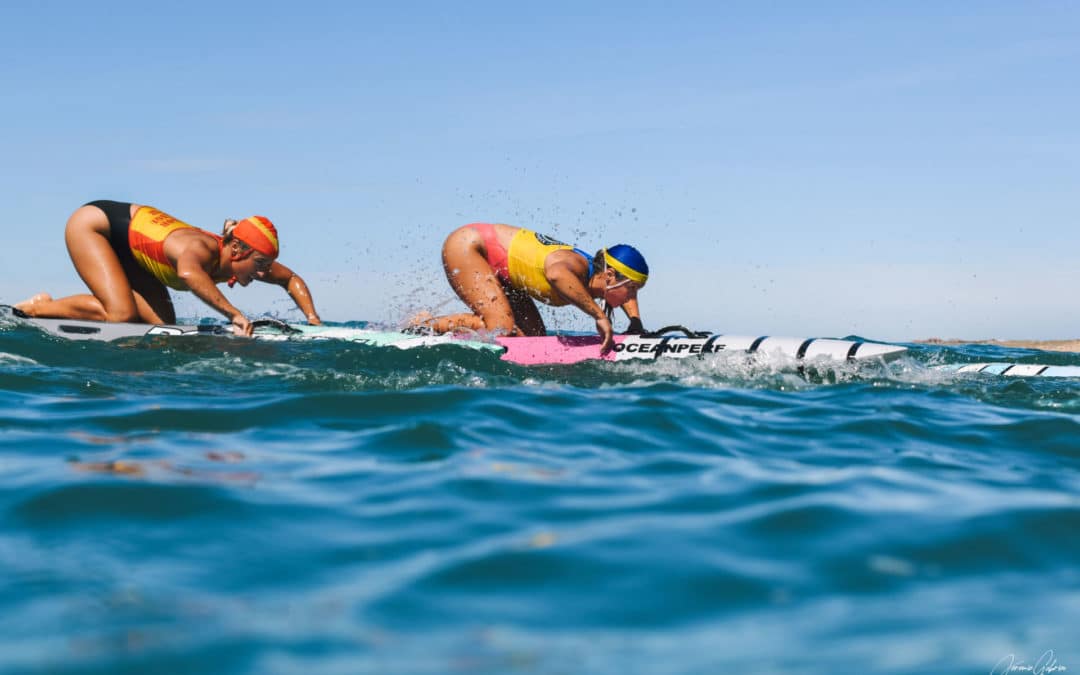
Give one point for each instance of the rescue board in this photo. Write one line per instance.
(673, 342)
(665, 344)
(1016, 369)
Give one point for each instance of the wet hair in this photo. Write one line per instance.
(227, 232)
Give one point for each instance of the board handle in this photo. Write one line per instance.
(275, 324)
(677, 329)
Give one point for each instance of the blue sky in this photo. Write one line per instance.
(893, 170)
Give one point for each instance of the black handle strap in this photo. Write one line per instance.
(635, 327)
(276, 324)
(677, 329)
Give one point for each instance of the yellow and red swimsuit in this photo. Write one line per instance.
(521, 265)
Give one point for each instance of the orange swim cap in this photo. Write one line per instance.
(258, 233)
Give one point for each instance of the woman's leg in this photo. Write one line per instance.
(87, 238)
(451, 323)
(471, 277)
(526, 315)
(152, 299)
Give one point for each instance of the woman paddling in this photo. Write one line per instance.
(498, 270)
(127, 254)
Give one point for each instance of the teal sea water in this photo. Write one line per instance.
(214, 506)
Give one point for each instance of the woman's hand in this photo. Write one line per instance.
(607, 334)
(241, 325)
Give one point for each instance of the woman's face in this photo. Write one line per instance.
(617, 291)
(255, 266)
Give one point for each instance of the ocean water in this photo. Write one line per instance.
(214, 506)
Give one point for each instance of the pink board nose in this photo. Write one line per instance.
(529, 351)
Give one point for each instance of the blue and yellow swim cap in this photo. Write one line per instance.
(627, 261)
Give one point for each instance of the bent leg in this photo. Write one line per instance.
(472, 278)
(152, 299)
(455, 322)
(526, 315)
(87, 238)
(83, 306)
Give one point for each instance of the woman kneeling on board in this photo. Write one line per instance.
(495, 268)
(127, 254)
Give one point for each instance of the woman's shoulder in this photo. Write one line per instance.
(567, 258)
(192, 236)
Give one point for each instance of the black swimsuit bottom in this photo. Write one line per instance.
(119, 215)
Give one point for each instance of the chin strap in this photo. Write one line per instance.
(608, 309)
(237, 257)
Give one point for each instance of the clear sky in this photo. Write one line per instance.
(892, 170)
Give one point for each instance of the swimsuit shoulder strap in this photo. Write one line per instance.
(220, 245)
(588, 258)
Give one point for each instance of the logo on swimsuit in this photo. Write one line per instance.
(548, 241)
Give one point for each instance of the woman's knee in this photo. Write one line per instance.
(499, 322)
(120, 314)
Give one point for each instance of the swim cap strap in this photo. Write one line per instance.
(237, 257)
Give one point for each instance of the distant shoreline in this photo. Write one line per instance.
(1045, 345)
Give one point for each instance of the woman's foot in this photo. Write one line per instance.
(419, 324)
(26, 306)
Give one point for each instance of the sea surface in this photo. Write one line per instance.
(207, 505)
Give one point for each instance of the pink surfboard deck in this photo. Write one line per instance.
(562, 349)
(532, 351)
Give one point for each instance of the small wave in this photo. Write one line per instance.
(238, 368)
(87, 502)
(5, 357)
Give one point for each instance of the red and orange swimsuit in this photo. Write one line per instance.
(146, 237)
(140, 240)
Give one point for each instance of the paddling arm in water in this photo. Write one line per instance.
(501, 271)
(129, 255)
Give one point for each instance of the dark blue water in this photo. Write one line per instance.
(219, 507)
